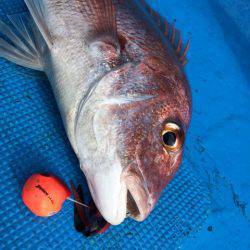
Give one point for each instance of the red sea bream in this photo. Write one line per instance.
(116, 70)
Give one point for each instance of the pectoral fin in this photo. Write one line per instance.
(38, 13)
(22, 42)
(100, 16)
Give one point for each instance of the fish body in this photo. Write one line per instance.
(122, 93)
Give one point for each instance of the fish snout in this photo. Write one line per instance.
(120, 194)
(109, 195)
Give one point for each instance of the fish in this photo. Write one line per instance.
(117, 71)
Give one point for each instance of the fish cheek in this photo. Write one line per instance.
(166, 165)
(154, 166)
(174, 163)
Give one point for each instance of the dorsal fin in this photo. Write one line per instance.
(171, 33)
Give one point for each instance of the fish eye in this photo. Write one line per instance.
(172, 137)
(169, 138)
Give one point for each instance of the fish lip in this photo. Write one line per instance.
(119, 210)
(141, 204)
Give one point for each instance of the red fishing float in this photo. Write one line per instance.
(44, 194)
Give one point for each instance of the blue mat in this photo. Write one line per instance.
(32, 139)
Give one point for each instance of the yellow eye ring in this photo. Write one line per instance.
(172, 137)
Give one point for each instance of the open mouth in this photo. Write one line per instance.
(119, 197)
(138, 206)
(132, 208)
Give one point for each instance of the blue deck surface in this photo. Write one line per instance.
(206, 206)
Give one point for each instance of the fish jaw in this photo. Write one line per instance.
(109, 193)
(119, 194)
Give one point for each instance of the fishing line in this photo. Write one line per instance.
(72, 200)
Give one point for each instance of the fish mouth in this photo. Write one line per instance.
(132, 208)
(119, 195)
(139, 205)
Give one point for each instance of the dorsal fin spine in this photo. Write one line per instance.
(170, 32)
(166, 32)
(183, 56)
(178, 49)
(158, 18)
(173, 34)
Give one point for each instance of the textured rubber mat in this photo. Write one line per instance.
(32, 139)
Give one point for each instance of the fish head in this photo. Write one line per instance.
(131, 139)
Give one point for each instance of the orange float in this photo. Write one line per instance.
(44, 194)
